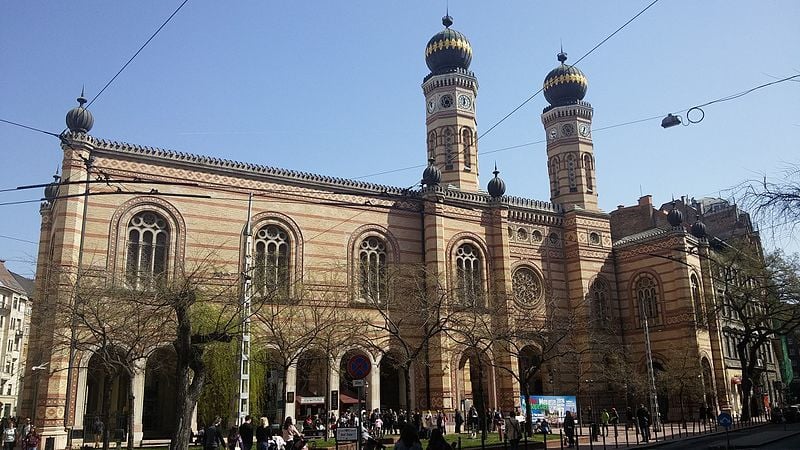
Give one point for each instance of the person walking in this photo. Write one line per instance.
(643, 418)
(263, 434)
(213, 436)
(513, 431)
(246, 433)
(604, 418)
(32, 439)
(569, 428)
(234, 438)
(474, 420)
(614, 420)
(459, 421)
(10, 436)
(97, 431)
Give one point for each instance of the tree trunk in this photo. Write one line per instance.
(131, 411)
(190, 374)
(108, 380)
(407, 377)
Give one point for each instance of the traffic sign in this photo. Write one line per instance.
(724, 420)
(358, 366)
(346, 434)
(358, 383)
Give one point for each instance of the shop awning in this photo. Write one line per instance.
(347, 400)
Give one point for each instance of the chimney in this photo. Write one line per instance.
(646, 200)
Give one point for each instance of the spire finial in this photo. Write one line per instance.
(496, 172)
(82, 99)
(562, 56)
(447, 21)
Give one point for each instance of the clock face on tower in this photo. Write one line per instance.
(431, 106)
(464, 102)
(584, 130)
(553, 133)
(446, 101)
(567, 129)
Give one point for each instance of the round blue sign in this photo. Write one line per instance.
(725, 420)
(358, 366)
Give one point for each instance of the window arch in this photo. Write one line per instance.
(147, 249)
(599, 295)
(466, 139)
(527, 287)
(272, 252)
(469, 275)
(697, 301)
(573, 182)
(372, 269)
(588, 167)
(432, 145)
(646, 295)
(554, 187)
(449, 152)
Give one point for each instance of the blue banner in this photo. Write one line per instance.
(550, 407)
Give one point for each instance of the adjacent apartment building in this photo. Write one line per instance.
(16, 292)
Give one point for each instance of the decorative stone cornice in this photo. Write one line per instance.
(458, 78)
(580, 109)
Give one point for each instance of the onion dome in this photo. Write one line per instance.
(448, 50)
(431, 176)
(79, 119)
(51, 190)
(565, 85)
(698, 229)
(496, 187)
(675, 217)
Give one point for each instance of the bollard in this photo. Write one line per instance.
(561, 438)
(672, 430)
(604, 440)
(459, 442)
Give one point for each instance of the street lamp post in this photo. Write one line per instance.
(651, 372)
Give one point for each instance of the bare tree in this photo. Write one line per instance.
(774, 201)
(760, 301)
(682, 379)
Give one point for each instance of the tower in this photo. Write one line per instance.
(568, 124)
(450, 90)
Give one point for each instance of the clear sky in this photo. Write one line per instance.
(333, 87)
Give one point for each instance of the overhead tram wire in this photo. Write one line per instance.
(570, 65)
(17, 124)
(137, 53)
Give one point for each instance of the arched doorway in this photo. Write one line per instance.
(661, 389)
(312, 385)
(709, 395)
(105, 382)
(393, 383)
(474, 382)
(530, 370)
(158, 408)
(267, 385)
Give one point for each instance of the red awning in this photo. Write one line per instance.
(346, 399)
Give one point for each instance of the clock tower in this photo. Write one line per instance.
(568, 124)
(450, 90)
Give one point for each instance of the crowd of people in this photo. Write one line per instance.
(22, 436)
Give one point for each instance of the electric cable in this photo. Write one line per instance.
(28, 127)
(137, 53)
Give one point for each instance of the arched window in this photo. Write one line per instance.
(469, 275)
(587, 167)
(554, 162)
(372, 269)
(599, 294)
(432, 145)
(271, 277)
(573, 182)
(697, 301)
(148, 249)
(646, 290)
(466, 139)
(449, 151)
(527, 287)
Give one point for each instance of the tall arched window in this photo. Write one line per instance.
(466, 139)
(469, 276)
(554, 185)
(599, 294)
(432, 145)
(148, 249)
(573, 182)
(697, 301)
(271, 277)
(372, 269)
(587, 167)
(449, 151)
(646, 289)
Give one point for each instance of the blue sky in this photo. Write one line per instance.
(333, 87)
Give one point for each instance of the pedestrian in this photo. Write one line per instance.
(643, 417)
(614, 420)
(569, 428)
(474, 420)
(437, 441)
(378, 428)
(513, 431)
(32, 439)
(409, 439)
(290, 432)
(604, 418)
(10, 435)
(263, 434)
(234, 438)
(703, 413)
(213, 436)
(459, 420)
(246, 433)
(441, 420)
(97, 430)
(629, 418)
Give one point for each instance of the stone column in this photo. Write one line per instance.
(374, 380)
(291, 386)
(138, 403)
(333, 377)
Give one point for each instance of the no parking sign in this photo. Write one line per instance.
(358, 366)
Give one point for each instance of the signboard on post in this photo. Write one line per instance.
(358, 383)
(724, 420)
(550, 407)
(346, 434)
